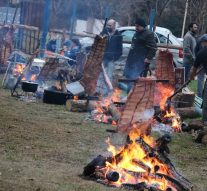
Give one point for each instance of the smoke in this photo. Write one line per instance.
(145, 115)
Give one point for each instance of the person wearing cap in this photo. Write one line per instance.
(189, 44)
(143, 49)
(74, 49)
(201, 75)
(201, 61)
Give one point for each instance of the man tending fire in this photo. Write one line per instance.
(201, 61)
(142, 51)
(112, 53)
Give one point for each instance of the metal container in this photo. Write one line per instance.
(28, 86)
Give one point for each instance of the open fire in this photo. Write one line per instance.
(105, 111)
(141, 164)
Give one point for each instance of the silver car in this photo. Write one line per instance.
(163, 37)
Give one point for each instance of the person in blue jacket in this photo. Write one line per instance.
(74, 49)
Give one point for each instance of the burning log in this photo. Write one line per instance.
(77, 105)
(141, 164)
(187, 186)
(99, 161)
(112, 176)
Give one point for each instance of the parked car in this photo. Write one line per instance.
(162, 36)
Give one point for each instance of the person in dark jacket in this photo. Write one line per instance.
(201, 75)
(189, 44)
(52, 43)
(74, 49)
(143, 49)
(201, 61)
(112, 53)
(113, 50)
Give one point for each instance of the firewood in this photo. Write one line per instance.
(188, 112)
(77, 105)
(204, 139)
(90, 168)
(185, 99)
(195, 125)
(200, 136)
(112, 176)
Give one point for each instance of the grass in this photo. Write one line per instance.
(193, 85)
(44, 147)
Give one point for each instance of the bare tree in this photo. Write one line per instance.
(197, 13)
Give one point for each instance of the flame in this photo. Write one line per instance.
(163, 91)
(116, 95)
(114, 122)
(133, 159)
(33, 77)
(19, 68)
(175, 118)
(101, 113)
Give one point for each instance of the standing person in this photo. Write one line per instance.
(189, 44)
(66, 41)
(74, 49)
(51, 45)
(143, 49)
(112, 53)
(201, 75)
(201, 61)
(113, 50)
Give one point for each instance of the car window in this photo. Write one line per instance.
(163, 39)
(127, 35)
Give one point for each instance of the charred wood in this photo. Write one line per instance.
(165, 160)
(99, 161)
(112, 176)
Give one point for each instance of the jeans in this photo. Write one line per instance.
(201, 78)
(187, 66)
(204, 117)
(102, 86)
(109, 67)
(134, 69)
